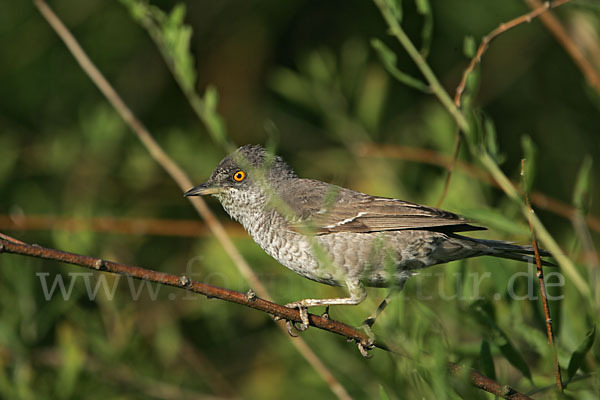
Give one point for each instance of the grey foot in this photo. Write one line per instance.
(303, 309)
(364, 348)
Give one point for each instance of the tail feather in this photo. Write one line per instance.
(498, 248)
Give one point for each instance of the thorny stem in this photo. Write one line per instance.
(540, 276)
(249, 299)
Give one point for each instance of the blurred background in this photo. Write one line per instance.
(303, 77)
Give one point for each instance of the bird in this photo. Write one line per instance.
(338, 236)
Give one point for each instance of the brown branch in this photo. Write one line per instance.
(555, 27)
(180, 178)
(540, 276)
(9, 245)
(124, 225)
(249, 299)
(156, 151)
(486, 40)
(431, 157)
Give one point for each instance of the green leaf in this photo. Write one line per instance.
(491, 142)
(388, 59)
(482, 313)
(530, 152)
(578, 355)
(486, 361)
(213, 120)
(424, 8)
(514, 357)
(176, 36)
(383, 393)
(172, 37)
(473, 79)
(469, 46)
(395, 7)
(293, 87)
(496, 220)
(583, 184)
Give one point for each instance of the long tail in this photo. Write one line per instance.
(498, 248)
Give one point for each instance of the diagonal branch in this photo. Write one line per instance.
(182, 180)
(540, 276)
(486, 40)
(554, 25)
(249, 299)
(431, 157)
(484, 157)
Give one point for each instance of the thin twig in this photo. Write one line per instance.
(540, 276)
(450, 167)
(484, 157)
(555, 27)
(427, 156)
(181, 179)
(183, 282)
(119, 225)
(486, 40)
(185, 227)
(13, 246)
(434, 83)
(156, 151)
(547, 240)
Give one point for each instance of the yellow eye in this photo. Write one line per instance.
(239, 176)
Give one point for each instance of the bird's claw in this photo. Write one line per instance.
(364, 348)
(289, 325)
(303, 310)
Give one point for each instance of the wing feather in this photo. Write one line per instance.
(323, 208)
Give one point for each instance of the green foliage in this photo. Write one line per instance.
(486, 360)
(395, 7)
(424, 8)
(469, 46)
(530, 153)
(496, 220)
(583, 185)
(388, 59)
(172, 37)
(483, 314)
(308, 80)
(578, 356)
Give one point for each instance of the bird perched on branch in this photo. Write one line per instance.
(337, 236)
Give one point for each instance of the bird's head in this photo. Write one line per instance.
(244, 179)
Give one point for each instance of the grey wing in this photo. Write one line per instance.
(323, 208)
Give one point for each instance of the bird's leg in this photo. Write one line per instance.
(370, 320)
(357, 295)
